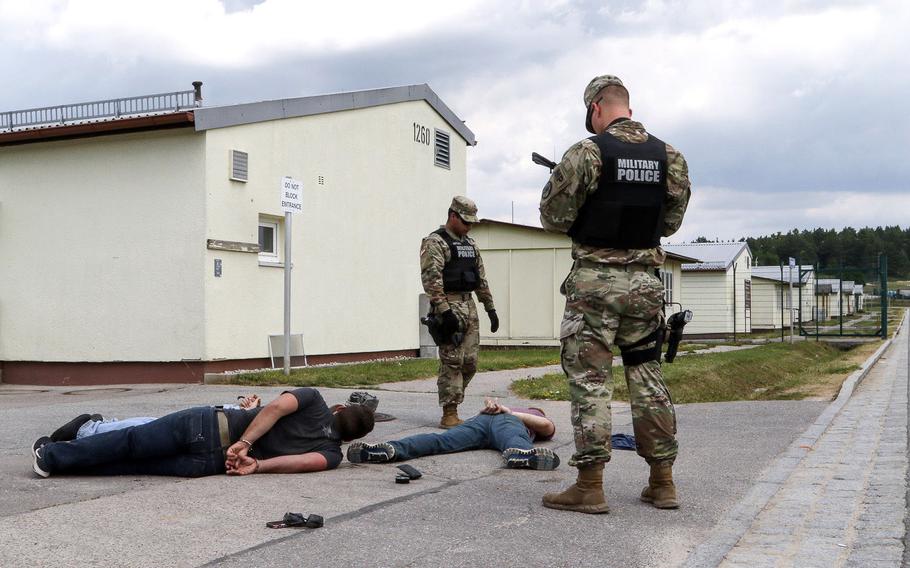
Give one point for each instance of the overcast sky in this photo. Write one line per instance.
(791, 114)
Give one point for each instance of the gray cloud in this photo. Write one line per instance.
(769, 100)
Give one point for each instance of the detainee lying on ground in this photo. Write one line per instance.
(511, 431)
(295, 433)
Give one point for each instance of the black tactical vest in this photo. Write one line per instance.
(627, 209)
(460, 274)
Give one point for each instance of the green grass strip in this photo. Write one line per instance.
(377, 372)
(768, 372)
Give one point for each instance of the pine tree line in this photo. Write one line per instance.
(855, 250)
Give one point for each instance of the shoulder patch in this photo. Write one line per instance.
(547, 189)
(561, 177)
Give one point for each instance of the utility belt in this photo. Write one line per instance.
(224, 432)
(634, 267)
(458, 296)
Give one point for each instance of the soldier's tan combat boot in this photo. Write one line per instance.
(450, 417)
(661, 492)
(586, 496)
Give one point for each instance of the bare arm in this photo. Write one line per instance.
(300, 463)
(262, 423)
(541, 425)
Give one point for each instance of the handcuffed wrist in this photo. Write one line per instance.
(248, 443)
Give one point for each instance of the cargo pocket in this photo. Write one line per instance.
(569, 331)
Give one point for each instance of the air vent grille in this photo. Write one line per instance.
(239, 165)
(442, 149)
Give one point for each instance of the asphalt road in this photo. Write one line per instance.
(465, 511)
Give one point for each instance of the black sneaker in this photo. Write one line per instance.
(39, 466)
(536, 458)
(360, 452)
(68, 431)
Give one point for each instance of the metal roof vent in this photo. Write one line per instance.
(442, 149)
(239, 166)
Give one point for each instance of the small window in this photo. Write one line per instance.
(667, 278)
(240, 162)
(747, 284)
(442, 149)
(268, 241)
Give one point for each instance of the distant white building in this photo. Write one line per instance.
(834, 297)
(771, 296)
(148, 245)
(525, 267)
(718, 289)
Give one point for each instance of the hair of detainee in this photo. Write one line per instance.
(354, 421)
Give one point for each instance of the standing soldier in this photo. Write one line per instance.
(616, 194)
(451, 268)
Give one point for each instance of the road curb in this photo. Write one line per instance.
(731, 528)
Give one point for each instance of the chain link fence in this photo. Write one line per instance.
(843, 300)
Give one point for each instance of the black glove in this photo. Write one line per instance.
(449, 323)
(494, 321)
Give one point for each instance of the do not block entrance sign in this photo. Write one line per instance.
(291, 195)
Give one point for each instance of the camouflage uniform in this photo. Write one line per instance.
(457, 365)
(612, 296)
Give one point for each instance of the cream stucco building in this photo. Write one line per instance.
(150, 246)
(718, 288)
(773, 301)
(525, 267)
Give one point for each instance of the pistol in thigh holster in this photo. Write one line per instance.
(434, 325)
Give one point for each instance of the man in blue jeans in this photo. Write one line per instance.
(511, 431)
(86, 425)
(295, 433)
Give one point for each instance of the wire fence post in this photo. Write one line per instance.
(883, 289)
(781, 266)
(817, 295)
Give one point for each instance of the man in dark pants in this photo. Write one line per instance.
(616, 194)
(511, 431)
(295, 433)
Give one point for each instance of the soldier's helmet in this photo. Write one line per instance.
(465, 208)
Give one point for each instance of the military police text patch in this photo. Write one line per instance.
(637, 171)
(464, 250)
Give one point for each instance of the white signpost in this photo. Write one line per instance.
(291, 202)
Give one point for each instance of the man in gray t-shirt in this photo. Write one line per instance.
(308, 430)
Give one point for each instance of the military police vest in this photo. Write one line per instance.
(460, 274)
(627, 209)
